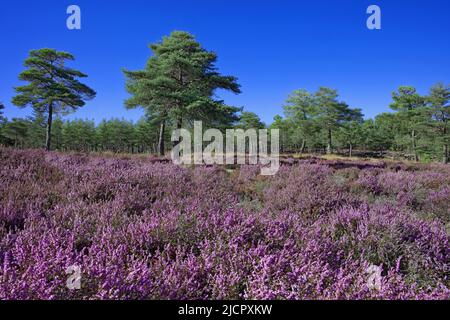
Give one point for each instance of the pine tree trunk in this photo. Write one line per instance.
(303, 147)
(329, 146)
(445, 158)
(48, 141)
(350, 150)
(414, 145)
(445, 148)
(161, 138)
(179, 125)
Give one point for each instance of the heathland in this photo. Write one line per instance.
(142, 228)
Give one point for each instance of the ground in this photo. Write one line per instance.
(143, 228)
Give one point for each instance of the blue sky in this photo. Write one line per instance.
(273, 47)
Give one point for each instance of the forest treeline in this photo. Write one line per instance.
(418, 128)
(178, 86)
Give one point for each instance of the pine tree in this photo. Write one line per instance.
(53, 87)
(438, 101)
(17, 131)
(332, 113)
(250, 120)
(351, 134)
(178, 84)
(411, 107)
(299, 111)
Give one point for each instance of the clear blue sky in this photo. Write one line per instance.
(273, 47)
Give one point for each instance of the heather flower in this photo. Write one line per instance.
(146, 229)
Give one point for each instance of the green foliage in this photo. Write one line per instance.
(332, 113)
(301, 111)
(52, 86)
(351, 134)
(407, 99)
(250, 120)
(179, 83)
(78, 135)
(418, 129)
(412, 115)
(16, 132)
(380, 134)
(311, 119)
(439, 108)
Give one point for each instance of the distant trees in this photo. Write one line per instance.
(114, 135)
(379, 134)
(147, 135)
(332, 114)
(304, 128)
(300, 110)
(319, 122)
(410, 106)
(249, 120)
(312, 116)
(78, 135)
(178, 84)
(351, 133)
(285, 130)
(53, 87)
(438, 102)
(422, 122)
(16, 131)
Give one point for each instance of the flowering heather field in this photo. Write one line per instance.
(142, 229)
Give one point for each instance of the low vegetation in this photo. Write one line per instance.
(140, 228)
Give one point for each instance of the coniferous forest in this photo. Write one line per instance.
(418, 128)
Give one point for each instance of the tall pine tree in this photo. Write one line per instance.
(53, 87)
(410, 106)
(179, 83)
(438, 101)
(332, 113)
